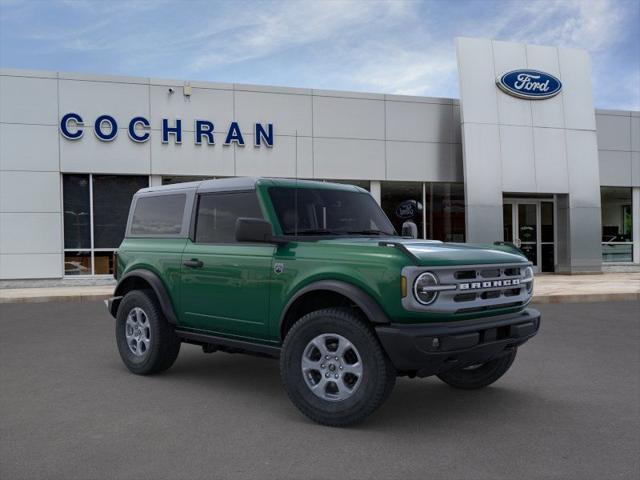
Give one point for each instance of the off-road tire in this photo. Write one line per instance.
(480, 377)
(164, 344)
(378, 378)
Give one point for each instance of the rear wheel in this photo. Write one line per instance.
(334, 369)
(481, 375)
(146, 342)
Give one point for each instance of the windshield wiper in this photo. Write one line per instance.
(315, 231)
(369, 232)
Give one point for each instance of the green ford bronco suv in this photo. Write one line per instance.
(314, 273)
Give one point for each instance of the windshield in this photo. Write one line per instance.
(319, 211)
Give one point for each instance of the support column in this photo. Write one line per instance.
(155, 180)
(376, 191)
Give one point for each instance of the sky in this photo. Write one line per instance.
(402, 47)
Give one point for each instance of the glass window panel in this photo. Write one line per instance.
(77, 217)
(617, 224)
(445, 212)
(327, 211)
(507, 218)
(546, 229)
(77, 263)
(111, 201)
(547, 262)
(616, 214)
(103, 263)
(527, 222)
(160, 215)
(530, 251)
(396, 195)
(617, 252)
(217, 215)
(627, 225)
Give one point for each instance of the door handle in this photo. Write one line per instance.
(193, 263)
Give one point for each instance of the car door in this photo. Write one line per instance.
(225, 284)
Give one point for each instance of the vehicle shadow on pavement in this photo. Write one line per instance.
(414, 403)
(428, 402)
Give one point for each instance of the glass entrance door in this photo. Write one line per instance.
(527, 231)
(529, 224)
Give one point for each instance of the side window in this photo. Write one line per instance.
(158, 215)
(218, 212)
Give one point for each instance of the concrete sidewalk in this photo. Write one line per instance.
(548, 289)
(607, 287)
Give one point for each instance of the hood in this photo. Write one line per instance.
(435, 253)
(443, 254)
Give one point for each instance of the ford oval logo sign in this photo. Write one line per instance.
(529, 84)
(408, 209)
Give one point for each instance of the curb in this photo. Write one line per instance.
(93, 297)
(587, 297)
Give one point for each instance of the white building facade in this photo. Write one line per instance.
(553, 175)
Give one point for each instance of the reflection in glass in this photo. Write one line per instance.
(445, 211)
(547, 259)
(507, 216)
(159, 215)
(546, 228)
(396, 194)
(320, 211)
(112, 196)
(77, 263)
(617, 224)
(527, 222)
(443, 206)
(530, 251)
(217, 215)
(77, 220)
(103, 263)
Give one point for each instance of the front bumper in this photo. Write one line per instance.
(426, 349)
(112, 305)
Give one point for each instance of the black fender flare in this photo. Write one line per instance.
(362, 299)
(158, 288)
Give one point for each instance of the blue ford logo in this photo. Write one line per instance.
(529, 84)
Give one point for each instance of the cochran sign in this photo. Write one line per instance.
(105, 128)
(529, 84)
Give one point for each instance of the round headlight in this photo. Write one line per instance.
(421, 288)
(528, 275)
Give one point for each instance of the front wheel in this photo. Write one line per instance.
(481, 375)
(334, 369)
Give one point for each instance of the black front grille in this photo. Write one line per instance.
(465, 297)
(514, 292)
(490, 294)
(465, 275)
(489, 307)
(492, 273)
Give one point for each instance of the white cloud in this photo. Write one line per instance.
(399, 46)
(590, 24)
(290, 25)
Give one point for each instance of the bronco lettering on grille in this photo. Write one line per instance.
(489, 284)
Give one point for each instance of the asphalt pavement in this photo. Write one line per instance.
(568, 408)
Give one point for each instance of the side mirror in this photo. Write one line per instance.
(409, 229)
(255, 230)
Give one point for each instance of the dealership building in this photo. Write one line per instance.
(522, 156)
